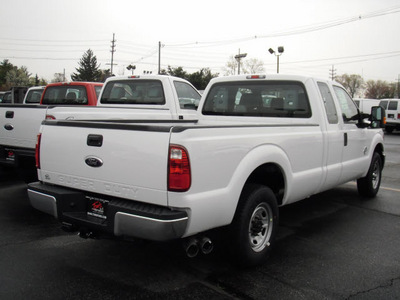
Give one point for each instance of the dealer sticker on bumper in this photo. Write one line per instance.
(97, 207)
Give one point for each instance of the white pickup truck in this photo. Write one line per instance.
(133, 97)
(260, 142)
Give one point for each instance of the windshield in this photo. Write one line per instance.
(133, 92)
(70, 94)
(259, 99)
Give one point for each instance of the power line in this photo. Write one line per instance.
(305, 29)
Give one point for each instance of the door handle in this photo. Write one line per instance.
(9, 114)
(345, 139)
(94, 140)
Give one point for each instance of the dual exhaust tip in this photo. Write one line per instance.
(194, 245)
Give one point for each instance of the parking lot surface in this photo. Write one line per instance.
(335, 245)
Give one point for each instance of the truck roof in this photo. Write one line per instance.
(264, 77)
(85, 83)
(147, 76)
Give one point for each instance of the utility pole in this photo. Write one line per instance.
(238, 58)
(112, 53)
(332, 73)
(159, 57)
(398, 86)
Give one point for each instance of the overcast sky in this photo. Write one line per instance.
(355, 36)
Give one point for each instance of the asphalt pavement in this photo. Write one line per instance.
(334, 245)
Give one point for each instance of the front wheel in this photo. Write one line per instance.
(368, 186)
(254, 226)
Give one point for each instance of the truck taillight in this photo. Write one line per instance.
(179, 177)
(37, 150)
(50, 117)
(255, 77)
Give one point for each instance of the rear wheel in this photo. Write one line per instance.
(368, 186)
(254, 227)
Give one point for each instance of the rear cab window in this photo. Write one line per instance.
(136, 91)
(65, 95)
(34, 96)
(282, 99)
(97, 90)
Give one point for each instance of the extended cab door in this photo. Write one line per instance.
(334, 139)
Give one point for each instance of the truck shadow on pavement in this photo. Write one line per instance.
(312, 233)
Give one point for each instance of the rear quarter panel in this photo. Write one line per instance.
(222, 159)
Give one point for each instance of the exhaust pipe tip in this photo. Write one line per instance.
(206, 245)
(84, 233)
(191, 247)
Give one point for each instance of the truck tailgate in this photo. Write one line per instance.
(20, 125)
(122, 160)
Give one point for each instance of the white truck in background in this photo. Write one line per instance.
(33, 95)
(140, 97)
(260, 142)
(129, 97)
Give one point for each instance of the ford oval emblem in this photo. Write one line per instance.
(94, 162)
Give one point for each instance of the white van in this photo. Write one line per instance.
(364, 105)
(392, 107)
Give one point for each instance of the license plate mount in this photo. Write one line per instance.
(9, 154)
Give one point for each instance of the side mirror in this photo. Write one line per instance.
(378, 117)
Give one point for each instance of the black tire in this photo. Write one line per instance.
(368, 186)
(253, 230)
(389, 129)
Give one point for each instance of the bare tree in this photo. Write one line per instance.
(253, 66)
(353, 83)
(247, 66)
(379, 89)
(230, 66)
(58, 77)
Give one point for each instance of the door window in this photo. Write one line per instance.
(349, 109)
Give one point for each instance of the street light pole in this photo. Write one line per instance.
(280, 51)
(238, 58)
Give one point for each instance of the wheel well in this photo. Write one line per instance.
(379, 149)
(270, 175)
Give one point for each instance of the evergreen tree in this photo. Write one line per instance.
(5, 67)
(88, 68)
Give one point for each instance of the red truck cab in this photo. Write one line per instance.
(71, 93)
